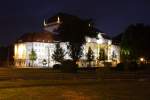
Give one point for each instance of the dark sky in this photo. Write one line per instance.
(111, 16)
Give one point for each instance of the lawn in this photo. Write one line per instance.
(74, 90)
(40, 85)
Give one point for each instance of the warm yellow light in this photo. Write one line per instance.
(20, 51)
(15, 50)
(141, 59)
(45, 23)
(58, 19)
(109, 42)
(88, 39)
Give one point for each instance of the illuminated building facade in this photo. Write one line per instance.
(43, 44)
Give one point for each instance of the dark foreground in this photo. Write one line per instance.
(41, 84)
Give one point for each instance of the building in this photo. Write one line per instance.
(43, 44)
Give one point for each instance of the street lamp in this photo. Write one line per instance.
(141, 59)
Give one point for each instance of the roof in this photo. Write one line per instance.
(97, 30)
(36, 37)
(117, 39)
(105, 36)
(62, 16)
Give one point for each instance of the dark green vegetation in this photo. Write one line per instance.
(90, 56)
(135, 42)
(73, 30)
(32, 56)
(67, 66)
(58, 54)
(102, 55)
(45, 84)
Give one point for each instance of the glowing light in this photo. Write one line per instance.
(99, 41)
(88, 40)
(44, 23)
(141, 59)
(89, 25)
(16, 50)
(109, 42)
(99, 36)
(58, 19)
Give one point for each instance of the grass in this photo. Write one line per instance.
(41, 84)
(66, 90)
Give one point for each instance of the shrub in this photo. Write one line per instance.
(144, 66)
(120, 66)
(133, 66)
(57, 66)
(91, 69)
(108, 64)
(69, 66)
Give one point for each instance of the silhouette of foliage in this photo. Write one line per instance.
(135, 41)
(73, 30)
(58, 54)
(90, 55)
(32, 56)
(102, 55)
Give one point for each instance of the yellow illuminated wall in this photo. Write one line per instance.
(45, 51)
(20, 51)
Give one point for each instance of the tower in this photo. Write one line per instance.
(52, 25)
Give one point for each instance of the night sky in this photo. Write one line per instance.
(111, 16)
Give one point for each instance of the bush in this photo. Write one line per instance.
(120, 67)
(88, 69)
(144, 66)
(69, 66)
(133, 66)
(57, 66)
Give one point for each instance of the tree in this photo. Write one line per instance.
(114, 56)
(75, 51)
(134, 42)
(90, 55)
(3, 54)
(32, 56)
(73, 30)
(58, 54)
(102, 55)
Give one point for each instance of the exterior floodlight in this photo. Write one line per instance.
(44, 23)
(99, 36)
(58, 19)
(141, 59)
